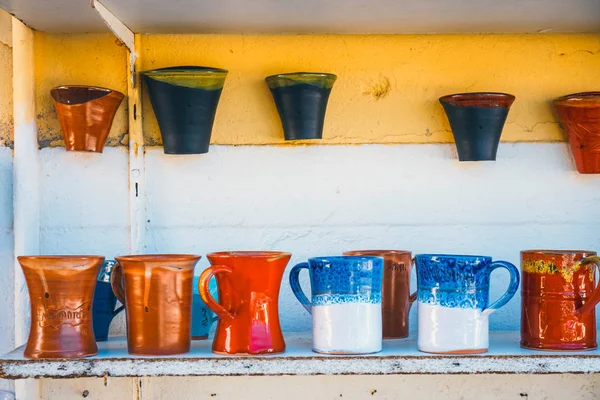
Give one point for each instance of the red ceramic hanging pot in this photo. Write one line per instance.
(579, 114)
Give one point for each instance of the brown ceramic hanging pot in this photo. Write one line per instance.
(61, 291)
(579, 114)
(157, 293)
(85, 114)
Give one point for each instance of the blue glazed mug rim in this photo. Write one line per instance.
(471, 256)
(343, 258)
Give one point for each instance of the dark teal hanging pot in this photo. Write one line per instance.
(477, 120)
(301, 100)
(185, 100)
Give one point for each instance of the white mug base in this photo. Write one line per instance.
(446, 330)
(347, 328)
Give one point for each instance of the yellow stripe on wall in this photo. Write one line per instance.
(387, 87)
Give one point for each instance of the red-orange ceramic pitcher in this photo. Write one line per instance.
(248, 283)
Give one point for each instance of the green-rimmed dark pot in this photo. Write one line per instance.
(301, 100)
(185, 100)
(477, 120)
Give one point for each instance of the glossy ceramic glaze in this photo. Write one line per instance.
(202, 316)
(85, 114)
(558, 298)
(346, 303)
(477, 120)
(61, 291)
(184, 100)
(453, 296)
(104, 302)
(157, 293)
(248, 307)
(301, 100)
(579, 114)
(396, 298)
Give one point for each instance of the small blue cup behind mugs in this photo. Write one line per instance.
(104, 302)
(202, 316)
(453, 301)
(346, 303)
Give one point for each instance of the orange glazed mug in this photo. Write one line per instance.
(559, 295)
(61, 290)
(248, 283)
(157, 293)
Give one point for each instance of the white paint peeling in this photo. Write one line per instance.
(397, 357)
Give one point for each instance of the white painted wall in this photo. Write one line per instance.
(322, 200)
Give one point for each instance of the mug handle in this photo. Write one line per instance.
(296, 288)
(413, 295)
(594, 299)
(512, 287)
(204, 290)
(116, 283)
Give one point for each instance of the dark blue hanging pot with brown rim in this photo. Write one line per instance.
(185, 101)
(301, 100)
(477, 120)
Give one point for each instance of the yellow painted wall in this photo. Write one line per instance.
(387, 87)
(82, 59)
(6, 66)
(419, 68)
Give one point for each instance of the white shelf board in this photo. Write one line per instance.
(315, 16)
(398, 357)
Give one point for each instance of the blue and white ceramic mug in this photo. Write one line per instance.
(103, 309)
(202, 316)
(346, 303)
(453, 295)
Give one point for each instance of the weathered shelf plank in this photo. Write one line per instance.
(398, 357)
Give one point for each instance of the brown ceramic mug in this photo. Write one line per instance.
(61, 291)
(157, 293)
(396, 296)
(559, 295)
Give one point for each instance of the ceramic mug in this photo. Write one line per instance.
(248, 306)
(396, 299)
(202, 316)
(346, 303)
(156, 290)
(61, 291)
(453, 296)
(104, 302)
(559, 295)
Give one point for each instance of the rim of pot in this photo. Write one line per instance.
(81, 93)
(157, 257)
(196, 77)
(582, 99)
(479, 99)
(71, 257)
(250, 253)
(430, 255)
(322, 79)
(557, 252)
(191, 70)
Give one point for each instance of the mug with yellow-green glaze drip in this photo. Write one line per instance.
(559, 296)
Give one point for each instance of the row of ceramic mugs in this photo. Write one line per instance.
(356, 300)
(185, 99)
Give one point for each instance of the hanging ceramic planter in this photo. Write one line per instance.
(477, 120)
(85, 114)
(185, 100)
(301, 100)
(579, 114)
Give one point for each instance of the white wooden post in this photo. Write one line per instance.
(25, 182)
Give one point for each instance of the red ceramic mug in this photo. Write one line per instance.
(559, 295)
